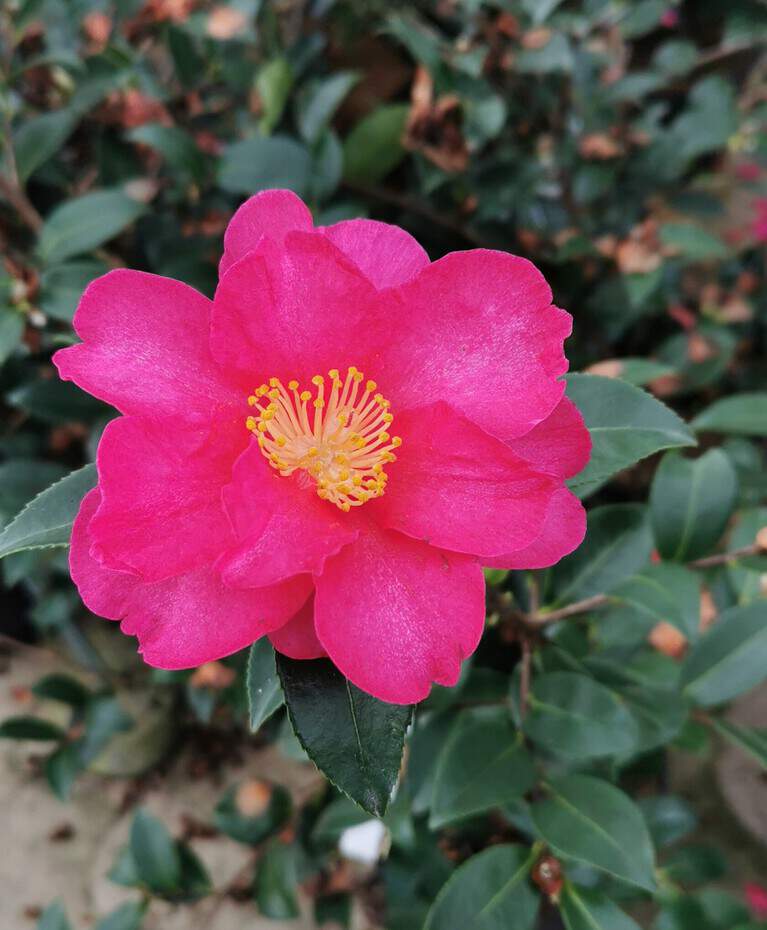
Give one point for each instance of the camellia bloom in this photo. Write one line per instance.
(328, 452)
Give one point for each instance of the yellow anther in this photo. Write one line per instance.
(384, 437)
(318, 380)
(293, 385)
(387, 418)
(260, 391)
(371, 386)
(267, 414)
(334, 374)
(319, 403)
(352, 371)
(305, 395)
(358, 376)
(345, 506)
(281, 441)
(274, 382)
(250, 423)
(344, 474)
(357, 481)
(396, 441)
(262, 427)
(313, 451)
(252, 400)
(274, 394)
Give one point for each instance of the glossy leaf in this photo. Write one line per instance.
(691, 501)
(128, 916)
(86, 222)
(54, 918)
(585, 909)
(317, 103)
(47, 519)
(669, 818)
(41, 138)
(276, 883)
(262, 683)
(574, 716)
(741, 414)
(273, 83)
(374, 147)
(592, 821)
(31, 728)
(729, 658)
(751, 740)
(262, 162)
(353, 738)
(482, 764)
(660, 592)
(489, 891)
(626, 425)
(252, 811)
(155, 853)
(11, 330)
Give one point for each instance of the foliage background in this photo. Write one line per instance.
(621, 147)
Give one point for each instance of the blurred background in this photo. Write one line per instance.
(619, 145)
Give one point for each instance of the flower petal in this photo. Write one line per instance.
(161, 511)
(395, 615)
(295, 311)
(563, 531)
(386, 254)
(183, 621)
(298, 639)
(282, 527)
(456, 487)
(272, 213)
(559, 445)
(145, 347)
(477, 329)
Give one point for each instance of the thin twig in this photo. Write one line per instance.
(524, 676)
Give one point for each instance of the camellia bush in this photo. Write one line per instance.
(287, 391)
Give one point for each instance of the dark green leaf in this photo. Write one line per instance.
(660, 592)
(626, 425)
(574, 716)
(175, 145)
(729, 658)
(584, 909)
(659, 713)
(692, 242)
(61, 286)
(744, 414)
(593, 822)
(276, 883)
(273, 83)
(57, 402)
(29, 728)
(618, 543)
(668, 818)
(489, 891)
(262, 684)
(155, 853)
(353, 738)
(690, 503)
(11, 329)
(265, 162)
(749, 739)
(40, 138)
(482, 765)
(62, 768)
(319, 101)
(63, 688)
(47, 520)
(86, 222)
(374, 147)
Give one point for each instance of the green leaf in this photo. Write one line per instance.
(729, 658)
(262, 684)
(11, 330)
(62, 768)
(374, 147)
(47, 519)
(176, 146)
(127, 917)
(691, 501)
(252, 826)
(265, 162)
(489, 891)
(273, 83)
(669, 818)
(692, 241)
(155, 853)
(61, 286)
(318, 102)
(659, 592)
(626, 425)
(63, 688)
(574, 716)
(40, 138)
(617, 545)
(660, 714)
(54, 401)
(54, 918)
(749, 739)
(584, 909)
(82, 224)
(592, 821)
(337, 817)
(639, 371)
(482, 765)
(276, 883)
(744, 414)
(31, 728)
(353, 738)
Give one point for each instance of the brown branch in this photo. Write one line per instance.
(16, 197)
(538, 619)
(524, 676)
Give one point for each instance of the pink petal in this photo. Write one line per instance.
(183, 621)
(559, 445)
(563, 531)
(161, 511)
(145, 347)
(282, 527)
(294, 312)
(478, 330)
(456, 487)
(395, 615)
(272, 213)
(386, 254)
(297, 639)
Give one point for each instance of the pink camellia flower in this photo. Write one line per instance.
(328, 452)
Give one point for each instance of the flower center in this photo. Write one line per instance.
(340, 439)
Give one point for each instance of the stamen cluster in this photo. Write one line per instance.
(341, 439)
